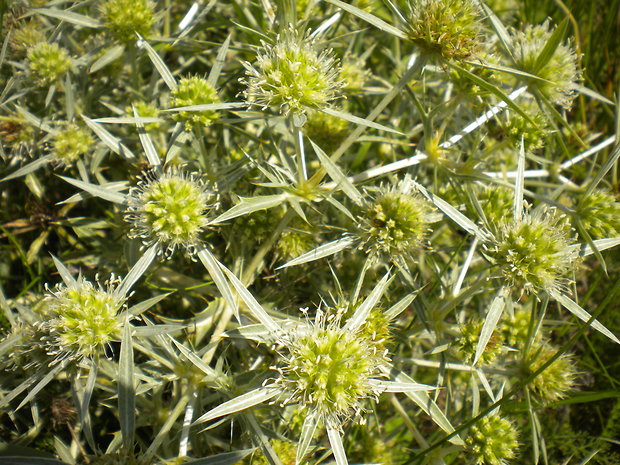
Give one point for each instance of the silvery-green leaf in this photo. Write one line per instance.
(143, 306)
(68, 16)
(324, 250)
(49, 376)
(108, 57)
(490, 322)
(338, 176)
(147, 144)
(519, 184)
(335, 440)
(251, 204)
(583, 315)
(226, 458)
(126, 390)
(399, 386)
(257, 310)
(601, 244)
(66, 276)
(159, 64)
(195, 359)
(311, 422)
(552, 44)
(98, 191)
(219, 62)
(359, 121)
(361, 313)
(29, 168)
(137, 270)
(242, 402)
(451, 212)
(425, 403)
(369, 18)
(158, 330)
(208, 107)
(214, 268)
(112, 142)
(129, 120)
(400, 306)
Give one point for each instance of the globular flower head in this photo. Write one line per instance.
(28, 34)
(534, 254)
(47, 62)
(517, 329)
(194, 90)
(81, 319)
(492, 441)
(555, 381)
(144, 110)
(170, 209)
(326, 131)
(520, 129)
(468, 342)
(70, 143)
(353, 74)
(445, 29)
(125, 18)
(496, 203)
(395, 222)
(329, 368)
(293, 75)
(599, 214)
(561, 70)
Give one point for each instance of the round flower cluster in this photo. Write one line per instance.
(329, 368)
(194, 90)
(170, 209)
(70, 143)
(518, 128)
(492, 441)
(81, 319)
(468, 342)
(395, 223)
(47, 62)
(560, 71)
(534, 254)
(555, 381)
(293, 75)
(445, 29)
(599, 214)
(125, 18)
(326, 131)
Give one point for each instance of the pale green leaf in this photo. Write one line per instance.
(338, 176)
(399, 386)
(159, 64)
(98, 191)
(137, 270)
(361, 313)
(227, 458)
(324, 250)
(29, 168)
(369, 18)
(361, 121)
(311, 422)
(68, 16)
(490, 322)
(335, 440)
(242, 402)
(108, 57)
(126, 390)
(214, 267)
(251, 204)
(195, 359)
(112, 142)
(219, 62)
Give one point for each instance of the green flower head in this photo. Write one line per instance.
(534, 254)
(81, 319)
(445, 29)
(70, 143)
(555, 381)
(492, 441)
(170, 209)
(293, 75)
(561, 70)
(194, 90)
(47, 63)
(125, 18)
(599, 214)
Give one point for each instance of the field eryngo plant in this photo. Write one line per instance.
(308, 232)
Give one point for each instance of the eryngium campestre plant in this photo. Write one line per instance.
(170, 209)
(125, 18)
(534, 253)
(293, 75)
(69, 144)
(47, 62)
(599, 214)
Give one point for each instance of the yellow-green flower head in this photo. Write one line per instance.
(326, 131)
(516, 329)
(170, 209)
(125, 18)
(330, 369)
(599, 214)
(28, 34)
(194, 90)
(395, 222)
(293, 75)
(285, 450)
(518, 128)
(561, 70)
(353, 74)
(556, 380)
(47, 63)
(81, 319)
(445, 29)
(468, 342)
(534, 254)
(496, 202)
(492, 441)
(70, 143)
(144, 110)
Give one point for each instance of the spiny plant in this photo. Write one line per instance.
(365, 231)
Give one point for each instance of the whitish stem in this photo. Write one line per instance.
(461, 278)
(187, 422)
(591, 151)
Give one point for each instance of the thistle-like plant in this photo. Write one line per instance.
(47, 62)
(492, 441)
